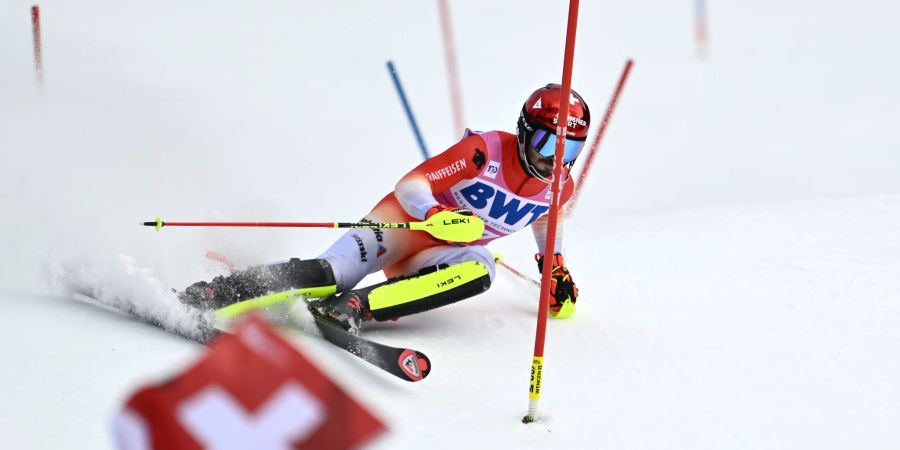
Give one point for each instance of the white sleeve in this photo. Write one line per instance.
(414, 195)
(539, 228)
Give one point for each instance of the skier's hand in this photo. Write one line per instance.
(438, 208)
(563, 292)
(451, 224)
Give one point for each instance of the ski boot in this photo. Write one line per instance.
(260, 280)
(199, 295)
(431, 287)
(347, 311)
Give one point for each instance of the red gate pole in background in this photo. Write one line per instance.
(452, 69)
(537, 362)
(36, 35)
(592, 152)
(701, 29)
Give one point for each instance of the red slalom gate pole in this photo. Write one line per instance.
(595, 145)
(701, 29)
(452, 69)
(537, 361)
(36, 36)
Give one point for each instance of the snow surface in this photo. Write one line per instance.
(737, 248)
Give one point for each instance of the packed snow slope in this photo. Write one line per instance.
(737, 247)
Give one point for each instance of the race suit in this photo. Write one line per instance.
(483, 173)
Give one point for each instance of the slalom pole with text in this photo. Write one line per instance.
(537, 361)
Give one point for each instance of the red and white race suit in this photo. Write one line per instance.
(483, 173)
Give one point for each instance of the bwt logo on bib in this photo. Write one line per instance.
(486, 198)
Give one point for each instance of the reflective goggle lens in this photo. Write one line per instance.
(544, 142)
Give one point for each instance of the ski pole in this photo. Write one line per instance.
(498, 259)
(445, 225)
(566, 309)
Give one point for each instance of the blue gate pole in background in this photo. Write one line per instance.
(409, 115)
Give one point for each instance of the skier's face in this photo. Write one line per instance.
(543, 165)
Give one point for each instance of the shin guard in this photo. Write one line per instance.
(430, 288)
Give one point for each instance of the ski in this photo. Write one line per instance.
(404, 363)
(199, 330)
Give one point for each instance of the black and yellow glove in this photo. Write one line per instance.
(563, 292)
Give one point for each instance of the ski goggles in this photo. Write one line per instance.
(544, 142)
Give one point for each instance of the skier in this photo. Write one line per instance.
(502, 178)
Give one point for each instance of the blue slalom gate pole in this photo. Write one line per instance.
(409, 115)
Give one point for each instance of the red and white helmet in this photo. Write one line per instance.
(537, 126)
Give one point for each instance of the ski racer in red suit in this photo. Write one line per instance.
(502, 178)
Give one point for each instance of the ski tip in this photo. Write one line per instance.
(414, 364)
